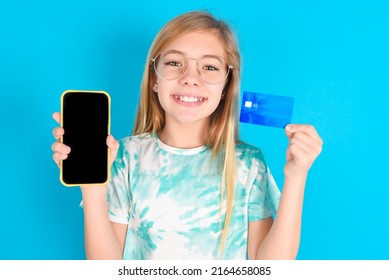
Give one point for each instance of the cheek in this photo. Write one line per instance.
(215, 97)
(216, 91)
(163, 95)
(163, 86)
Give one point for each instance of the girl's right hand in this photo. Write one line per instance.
(61, 151)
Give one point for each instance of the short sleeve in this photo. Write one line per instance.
(119, 195)
(264, 196)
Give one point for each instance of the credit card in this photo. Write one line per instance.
(266, 109)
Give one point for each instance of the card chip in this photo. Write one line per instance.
(248, 104)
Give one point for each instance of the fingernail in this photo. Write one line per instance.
(288, 127)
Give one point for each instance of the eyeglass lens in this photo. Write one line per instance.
(170, 66)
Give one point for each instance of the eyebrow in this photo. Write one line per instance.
(182, 53)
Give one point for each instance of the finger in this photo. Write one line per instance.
(313, 143)
(55, 159)
(303, 150)
(57, 117)
(307, 128)
(305, 147)
(58, 147)
(58, 132)
(297, 152)
(113, 145)
(58, 157)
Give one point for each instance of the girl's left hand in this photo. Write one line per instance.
(304, 146)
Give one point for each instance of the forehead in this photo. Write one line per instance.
(197, 44)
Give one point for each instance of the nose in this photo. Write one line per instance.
(191, 76)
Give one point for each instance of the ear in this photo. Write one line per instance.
(155, 87)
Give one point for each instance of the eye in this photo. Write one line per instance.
(173, 63)
(210, 68)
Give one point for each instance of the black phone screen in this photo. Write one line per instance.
(85, 119)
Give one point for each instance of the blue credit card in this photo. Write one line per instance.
(266, 109)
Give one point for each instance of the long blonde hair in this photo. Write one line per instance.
(223, 124)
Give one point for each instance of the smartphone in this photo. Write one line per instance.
(85, 117)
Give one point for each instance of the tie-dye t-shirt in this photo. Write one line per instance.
(170, 199)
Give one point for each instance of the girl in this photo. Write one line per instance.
(183, 186)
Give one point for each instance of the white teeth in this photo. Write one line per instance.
(189, 99)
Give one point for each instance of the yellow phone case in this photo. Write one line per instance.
(109, 132)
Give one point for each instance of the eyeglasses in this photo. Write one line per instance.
(212, 69)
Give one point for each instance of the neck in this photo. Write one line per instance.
(184, 136)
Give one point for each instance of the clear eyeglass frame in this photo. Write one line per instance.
(154, 60)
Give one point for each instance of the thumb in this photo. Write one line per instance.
(289, 131)
(113, 145)
(57, 117)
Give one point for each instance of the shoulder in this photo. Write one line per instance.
(250, 155)
(136, 140)
(139, 138)
(247, 150)
(135, 144)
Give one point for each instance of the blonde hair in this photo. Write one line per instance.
(223, 124)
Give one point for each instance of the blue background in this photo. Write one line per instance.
(331, 56)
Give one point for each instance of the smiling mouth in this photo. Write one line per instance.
(189, 99)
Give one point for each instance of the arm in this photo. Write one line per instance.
(103, 239)
(281, 239)
(257, 232)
